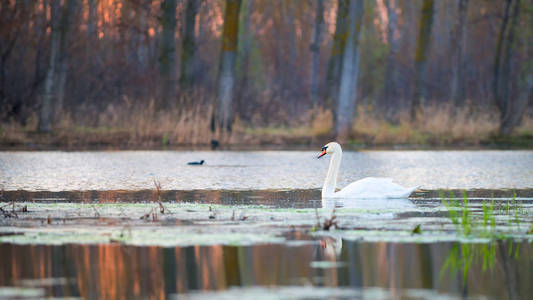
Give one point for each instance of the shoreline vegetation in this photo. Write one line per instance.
(144, 127)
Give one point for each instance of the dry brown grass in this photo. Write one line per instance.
(142, 126)
(13, 134)
(437, 125)
(145, 125)
(124, 125)
(322, 123)
(526, 127)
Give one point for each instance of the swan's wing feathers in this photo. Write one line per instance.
(371, 184)
(372, 187)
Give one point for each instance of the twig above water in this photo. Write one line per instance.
(328, 223)
(158, 191)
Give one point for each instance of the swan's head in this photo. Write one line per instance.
(330, 148)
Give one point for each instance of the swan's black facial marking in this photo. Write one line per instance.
(323, 151)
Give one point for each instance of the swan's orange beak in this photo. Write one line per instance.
(322, 153)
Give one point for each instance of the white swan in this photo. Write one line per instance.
(366, 188)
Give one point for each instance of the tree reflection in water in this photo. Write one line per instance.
(121, 272)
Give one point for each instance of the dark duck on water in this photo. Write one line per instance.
(196, 163)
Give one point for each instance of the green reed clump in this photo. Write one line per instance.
(470, 225)
(466, 218)
(459, 214)
(452, 207)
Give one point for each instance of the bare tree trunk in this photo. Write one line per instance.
(245, 46)
(511, 108)
(92, 42)
(279, 59)
(126, 29)
(226, 75)
(40, 19)
(350, 70)
(497, 58)
(391, 95)
(458, 40)
(49, 96)
(67, 21)
(315, 52)
(167, 58)
(7, 15)
(442, 20)
(142, 35)
(284, 13)
(421, 55)
(517, 107)
(61, 86)
(55, 81)
(188, 48)
(337, 49)
(92, 21)
(291, 65)
(39, 72)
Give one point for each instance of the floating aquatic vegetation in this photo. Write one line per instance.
(166, 237)
(314, 292)
(21, 292)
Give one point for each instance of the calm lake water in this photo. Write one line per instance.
(232, 170)
(244, 226)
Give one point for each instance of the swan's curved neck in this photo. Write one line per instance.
(331, 179)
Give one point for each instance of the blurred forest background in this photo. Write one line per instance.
(157, 72)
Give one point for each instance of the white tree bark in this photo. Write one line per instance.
(350, 71)
(226, 77)
(225, 88)
(391, 95)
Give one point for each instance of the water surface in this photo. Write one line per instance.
(253, 225)
(254, 170)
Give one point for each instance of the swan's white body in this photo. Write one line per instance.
(366, 188)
